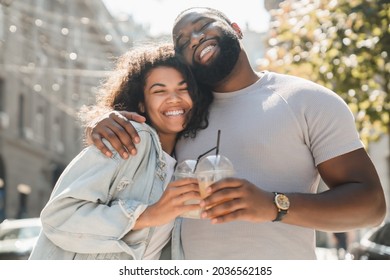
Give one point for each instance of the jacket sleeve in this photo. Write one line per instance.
(79, 216)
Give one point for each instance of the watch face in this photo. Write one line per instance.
(282, 201)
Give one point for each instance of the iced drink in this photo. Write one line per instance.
(207, 178)
(183, 170)
(212, 169)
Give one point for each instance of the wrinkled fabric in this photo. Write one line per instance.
(97, 200)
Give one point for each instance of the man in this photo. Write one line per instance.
(282, 134)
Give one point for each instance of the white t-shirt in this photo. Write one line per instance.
(275, 132)
(162, 234)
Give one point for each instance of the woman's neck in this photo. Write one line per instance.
(168, 142)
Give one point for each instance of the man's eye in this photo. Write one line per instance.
(182, 46)
(205, 26)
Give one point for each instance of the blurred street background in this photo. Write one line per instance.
(55, 53)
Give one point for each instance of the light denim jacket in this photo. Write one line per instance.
(97, 200)
(177, 252)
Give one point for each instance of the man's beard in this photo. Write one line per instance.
(222, 66)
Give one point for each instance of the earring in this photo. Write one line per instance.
(141, 107)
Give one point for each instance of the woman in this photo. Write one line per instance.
(110, 208)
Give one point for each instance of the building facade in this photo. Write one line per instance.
(53, 56)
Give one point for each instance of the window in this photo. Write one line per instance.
(2, 19)
(21, 113)
(4, 118)
(2, 101)
(39, 125)
(57, 136)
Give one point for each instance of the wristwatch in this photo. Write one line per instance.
(282, 203)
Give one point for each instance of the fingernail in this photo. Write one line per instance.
(204, 215)
(202, 204)
(108, 154)
(125, 155)
(136, 139)
(133, 152)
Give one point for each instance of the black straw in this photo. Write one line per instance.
(202, 155)
(218, 137)
(214, 148)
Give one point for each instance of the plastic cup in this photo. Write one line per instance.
(211, 169)
(185, 169)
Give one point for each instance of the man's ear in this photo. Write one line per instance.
(238, 30)
(141, 107)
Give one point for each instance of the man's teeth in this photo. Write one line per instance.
(175, 113)
(206, 50)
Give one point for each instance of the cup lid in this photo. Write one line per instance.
(214, 162)
(185, 167)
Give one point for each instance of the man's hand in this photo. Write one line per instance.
(234, 199)
(348, 203)
(116, 128)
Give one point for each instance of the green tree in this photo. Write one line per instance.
(341, 44)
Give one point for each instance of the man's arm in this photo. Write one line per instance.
(116, 128)
(355, 198)
(354, 185)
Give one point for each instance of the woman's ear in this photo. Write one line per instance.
(141, 107)
(238, 30)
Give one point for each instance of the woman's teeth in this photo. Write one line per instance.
(174, 113)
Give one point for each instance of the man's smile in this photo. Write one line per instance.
(205, 51)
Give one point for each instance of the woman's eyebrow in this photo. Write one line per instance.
(156, 85)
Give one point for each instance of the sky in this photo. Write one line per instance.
(160, 14)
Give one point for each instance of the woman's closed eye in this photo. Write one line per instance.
(159, 91)
(184, 90)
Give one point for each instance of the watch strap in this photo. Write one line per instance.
(280, 215)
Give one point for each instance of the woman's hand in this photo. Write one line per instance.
(116, 129)
(171, 204)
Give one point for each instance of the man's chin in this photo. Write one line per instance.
(220, 64)
(210, 75)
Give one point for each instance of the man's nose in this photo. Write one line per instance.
(196, 38)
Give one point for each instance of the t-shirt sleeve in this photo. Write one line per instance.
(333, 133)
(327, 122)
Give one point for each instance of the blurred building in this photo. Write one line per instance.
(272, 4)
(53, 56)
(255, 44)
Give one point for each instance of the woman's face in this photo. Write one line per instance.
(167, 100)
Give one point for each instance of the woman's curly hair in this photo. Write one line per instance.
(124, 87)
